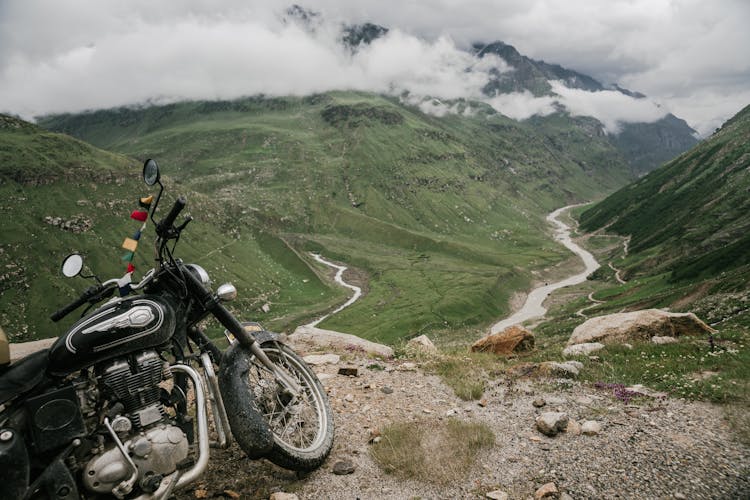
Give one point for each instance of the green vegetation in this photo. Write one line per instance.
(442, 217)
(439, 451)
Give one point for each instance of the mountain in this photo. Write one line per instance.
(444, 215)
(689, 218)
(645, 146)
(60, 195)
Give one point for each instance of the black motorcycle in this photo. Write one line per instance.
(118, 406)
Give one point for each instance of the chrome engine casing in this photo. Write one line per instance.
(155, 453)
(144, 428)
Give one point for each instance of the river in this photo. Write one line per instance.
(533, 308)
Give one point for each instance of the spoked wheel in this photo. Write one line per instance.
(301, 424)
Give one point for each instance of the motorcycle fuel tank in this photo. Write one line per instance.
(128, 325)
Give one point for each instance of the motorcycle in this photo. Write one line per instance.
(119, 405)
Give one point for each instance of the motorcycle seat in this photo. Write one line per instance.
(23, 375)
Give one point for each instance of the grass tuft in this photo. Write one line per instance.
(437, 452)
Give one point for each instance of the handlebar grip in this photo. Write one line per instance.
(61, 313)
(168, 221)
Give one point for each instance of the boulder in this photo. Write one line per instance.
(311, 337)
(422, 344)
(638, 325)
(512, 339)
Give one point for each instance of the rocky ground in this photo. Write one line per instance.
(645, 448)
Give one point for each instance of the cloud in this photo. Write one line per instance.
(83, 54)
(522, 105)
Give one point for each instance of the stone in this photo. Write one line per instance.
(565, 496)
(422, 344)
(573, 428)
(638, 325)
(343, 467)
(640, 390)
(556, 369)
(349, 371)
(349, 398)
(266, 308)
(582, 349)
(408, 367)
(591, 428)
(548, 490)
(386, 390)
(280, 495)
(663, 340)
(482, 402)
(322, 359)
(329, 339)
(511, 340)
(551, 422)
(539, 402)
(497, 495)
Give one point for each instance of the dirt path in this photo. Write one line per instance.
(339, 279)
(533, 307)
(646, 449)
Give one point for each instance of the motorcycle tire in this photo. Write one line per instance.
(302, 427)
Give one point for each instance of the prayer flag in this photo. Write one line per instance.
(139, 215)
(130, 244)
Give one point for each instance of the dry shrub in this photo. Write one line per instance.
(432, 451)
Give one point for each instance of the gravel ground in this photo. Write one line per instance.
(648, 449)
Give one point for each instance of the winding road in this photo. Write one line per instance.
(533, 307)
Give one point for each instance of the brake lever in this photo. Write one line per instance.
(188, 220)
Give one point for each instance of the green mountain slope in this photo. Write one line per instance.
(61, 195)
(445, 215)
(690, 216)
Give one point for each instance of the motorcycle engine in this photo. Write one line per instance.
(154, 444)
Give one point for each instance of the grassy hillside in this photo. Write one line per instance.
(689, 217)
(60, 195)
(445, 216)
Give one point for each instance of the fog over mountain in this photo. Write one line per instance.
(87, 54)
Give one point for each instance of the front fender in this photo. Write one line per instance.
(248, 425)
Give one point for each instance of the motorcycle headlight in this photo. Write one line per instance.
(200, 273)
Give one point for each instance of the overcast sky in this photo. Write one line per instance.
(690, 57)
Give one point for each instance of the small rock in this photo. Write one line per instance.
(573, 428)
(549, 490)
(422, 344)
(539, 402)
(510, 340)
(343, 467)
(266, 308)
(427, 411)
(350, 371)
(482, 402)
(565, 496)
(231, 494)
(550, 423)
(679, 496)
(497, 495)
(280, 495)
(386, 390)
(349, 398)
(566, 369)
(374, 436)
(656, 339)
(322, 359)
(408, 367)
(582, 349)
(324, 376)
(591, 428)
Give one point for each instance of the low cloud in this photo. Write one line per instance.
(130, 57)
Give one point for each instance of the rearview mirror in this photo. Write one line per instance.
(72, 265)
(150, 172)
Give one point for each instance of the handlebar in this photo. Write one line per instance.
(164, 227)
(87, 295)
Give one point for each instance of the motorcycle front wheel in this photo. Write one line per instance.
(302, 424)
